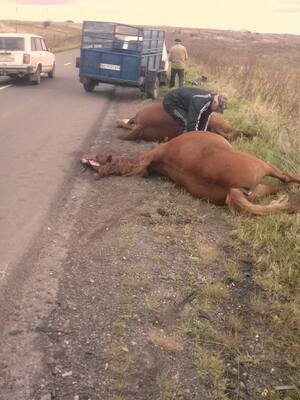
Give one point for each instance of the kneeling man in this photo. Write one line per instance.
(191, 107)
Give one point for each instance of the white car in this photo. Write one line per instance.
(25, 55)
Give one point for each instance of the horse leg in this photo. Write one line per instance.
(276, 173)
(221, 133)
(232, 135)
(238, 203)
(134, 134)
(249, 135)
(266, 190)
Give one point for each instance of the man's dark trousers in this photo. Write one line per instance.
(180, 73)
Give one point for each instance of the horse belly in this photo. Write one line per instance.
(196, 186)
(216, 194)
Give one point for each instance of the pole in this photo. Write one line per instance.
(17, 19)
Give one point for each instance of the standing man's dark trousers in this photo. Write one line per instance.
(180, 73)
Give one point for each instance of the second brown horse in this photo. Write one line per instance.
(153, 124)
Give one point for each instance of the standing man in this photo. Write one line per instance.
(191, 107)
(177, 57)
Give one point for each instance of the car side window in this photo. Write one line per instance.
(44, 47)
(38, 44)
(33, 45)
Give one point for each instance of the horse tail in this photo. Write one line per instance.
(238, 203)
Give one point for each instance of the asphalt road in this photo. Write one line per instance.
(42, 130)
(44, 196)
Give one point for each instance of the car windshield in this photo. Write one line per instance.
(12, 43)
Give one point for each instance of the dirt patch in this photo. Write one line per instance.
(122, 301)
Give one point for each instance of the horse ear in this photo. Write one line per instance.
(109, 159)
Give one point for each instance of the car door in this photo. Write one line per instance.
(47, 57)
(35, 56)
(40, 52)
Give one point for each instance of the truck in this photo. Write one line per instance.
(122, 54)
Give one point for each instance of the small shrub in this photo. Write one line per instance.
(46, 24)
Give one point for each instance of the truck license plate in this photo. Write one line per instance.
(110, 66)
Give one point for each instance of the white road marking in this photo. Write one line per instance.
(69, 63)
(5, 87)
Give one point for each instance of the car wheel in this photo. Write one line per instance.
(36, 80)
(89, 86)
(51, 74)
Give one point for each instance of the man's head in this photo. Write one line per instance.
(219, 103)
(177, 40)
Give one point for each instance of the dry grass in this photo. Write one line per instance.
(216, 292)
(211, 366)
(58, 35)
(262, 70)
(233, 270)
(206, 253)
(166, 342)
(260, 74)
(172, 389)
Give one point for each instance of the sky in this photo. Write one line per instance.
(272, 16)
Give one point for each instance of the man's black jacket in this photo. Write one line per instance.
(194, 106)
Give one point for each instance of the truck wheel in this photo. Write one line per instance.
(152, 85)
(163, 79)
(89, 85)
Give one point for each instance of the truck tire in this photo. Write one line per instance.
(152, 85)
(163, 78)
(89, 85)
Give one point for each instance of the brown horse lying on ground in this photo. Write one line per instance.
(208, 167)
(152, 123)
